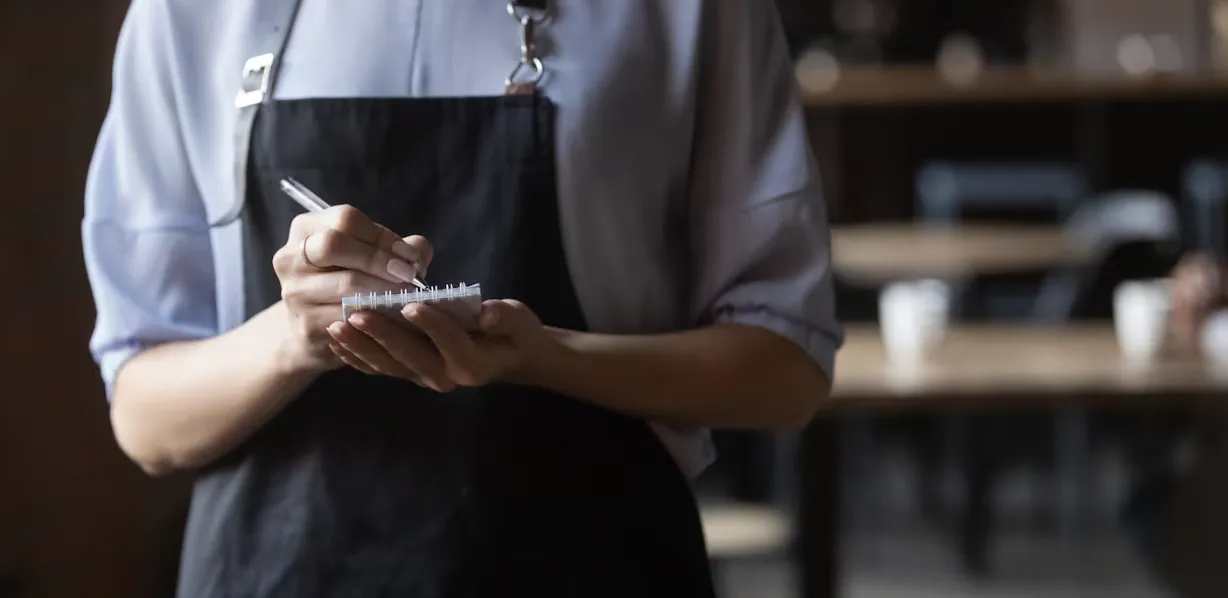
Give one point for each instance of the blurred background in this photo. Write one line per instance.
(1010, 183)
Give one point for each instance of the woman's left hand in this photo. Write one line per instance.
(509, 340)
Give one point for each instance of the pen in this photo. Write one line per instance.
(312, 203)
(303, 196)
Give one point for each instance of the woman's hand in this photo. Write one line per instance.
(330, 255)
(444, 356)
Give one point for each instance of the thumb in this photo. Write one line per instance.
(506, 317)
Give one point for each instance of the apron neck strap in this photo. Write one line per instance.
(256, 87)
(259, 80)
(260, 71)
(529, 70)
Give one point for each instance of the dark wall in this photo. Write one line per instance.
(76, 519)
(920, 25)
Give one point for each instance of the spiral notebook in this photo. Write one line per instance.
(462, 302)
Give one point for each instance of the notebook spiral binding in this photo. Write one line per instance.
(462, 302)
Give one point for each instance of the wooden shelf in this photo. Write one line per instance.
(885, 86)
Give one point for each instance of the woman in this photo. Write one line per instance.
(637, 197)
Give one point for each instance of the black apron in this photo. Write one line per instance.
(373, 486)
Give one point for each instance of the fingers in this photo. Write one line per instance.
(330, 287)
(331, 248)
(365, 351)
(350, 222)
(423, 249)
(348, 358)
(452, 342)
(354, 223)
(407, 348)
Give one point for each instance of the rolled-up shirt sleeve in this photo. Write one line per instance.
(145, 232)
(760, 240)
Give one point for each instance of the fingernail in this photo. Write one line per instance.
(334, 329)
(405, 251)
(402, 270)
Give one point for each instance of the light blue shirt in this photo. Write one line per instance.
(688, 192)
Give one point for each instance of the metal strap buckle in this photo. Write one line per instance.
(517, 82)
(518, 11)
(255, 82)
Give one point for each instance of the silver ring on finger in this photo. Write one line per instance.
(303, 253)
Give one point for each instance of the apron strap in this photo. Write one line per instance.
(260, 79)
(255, 88)
(529, 70)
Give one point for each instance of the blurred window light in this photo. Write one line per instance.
(1219, 18)
(960, 58)
(1135, 55)
(1167, 53)
(818, 70)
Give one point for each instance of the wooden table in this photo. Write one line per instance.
(1000, 364)
(879, 253)
(987, 368)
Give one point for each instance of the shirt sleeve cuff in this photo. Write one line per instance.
(112, 360)
(820, 343)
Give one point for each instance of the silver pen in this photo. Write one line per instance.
(312, 203)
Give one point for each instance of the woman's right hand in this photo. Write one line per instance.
(333, 254)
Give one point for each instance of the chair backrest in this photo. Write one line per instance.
(1134, 234)
(1125, 216)
(946, 189)
(1205, 189)
(1130, 260)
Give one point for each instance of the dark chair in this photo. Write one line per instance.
(946, 191)
(1205, 198)
(991, 444)
(953, 192)
(1105, 224)
(1136, 234)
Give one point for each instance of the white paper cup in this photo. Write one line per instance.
(1215, 337)
(913, 318)
(1140, 317)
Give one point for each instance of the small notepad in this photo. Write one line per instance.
(462, 302)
